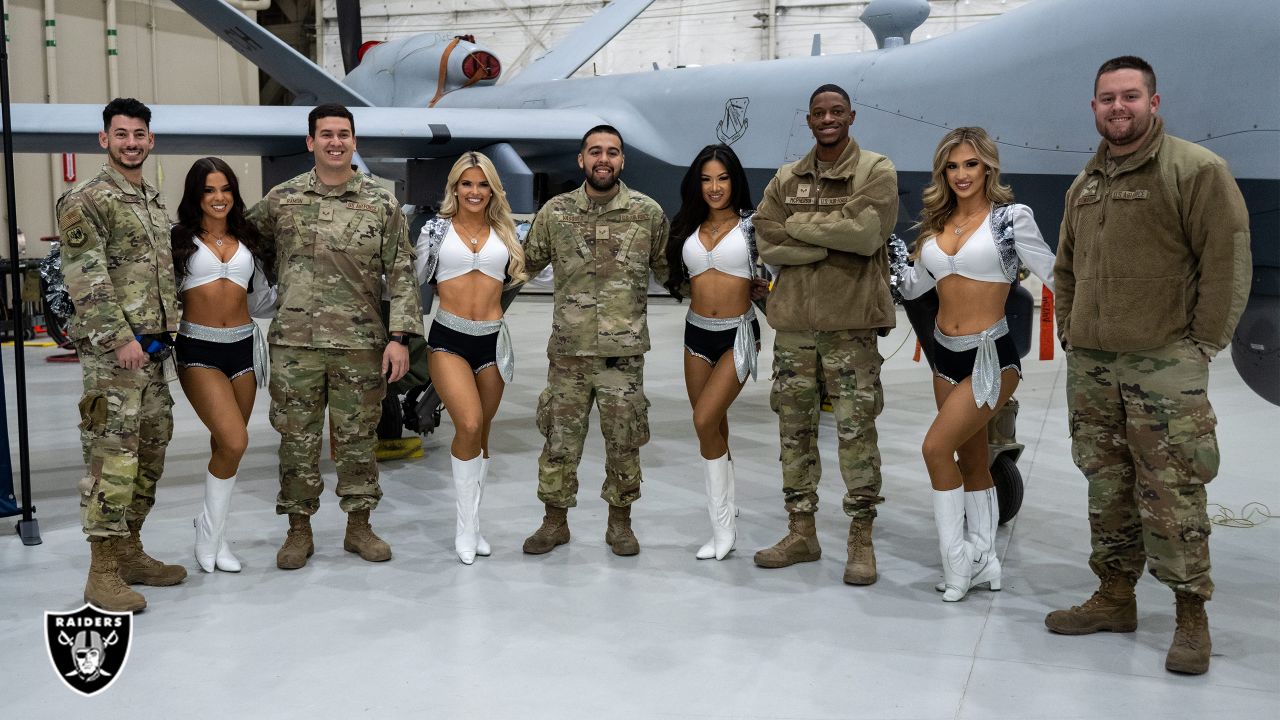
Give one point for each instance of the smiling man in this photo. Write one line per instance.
(1153, 272)
(824, 221)
(339, 239)
(603, 239)
(119, 270)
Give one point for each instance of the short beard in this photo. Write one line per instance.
(601, 187)
(119, 160)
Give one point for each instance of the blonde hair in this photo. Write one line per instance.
(940, 200)
(497, 213)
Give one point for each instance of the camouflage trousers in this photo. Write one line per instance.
(847, 364)
(1142, 432)
(616, 386)
(350, 382)
(126, 421)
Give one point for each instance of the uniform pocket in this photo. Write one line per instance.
(94, 410)
(542, 416)
(1193, 448)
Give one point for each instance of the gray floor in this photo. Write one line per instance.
(580, 633)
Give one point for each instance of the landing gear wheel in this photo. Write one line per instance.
(1008, 481)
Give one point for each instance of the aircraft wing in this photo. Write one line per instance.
(580, 45)
(277, 131)
(291, 68)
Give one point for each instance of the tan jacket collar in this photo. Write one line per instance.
(843, 168)
(352, 185)
(127, 187)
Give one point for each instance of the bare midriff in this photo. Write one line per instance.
(220, 304)
(474, 296)
(716, 294)
(967, 306)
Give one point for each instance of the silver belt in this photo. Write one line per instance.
(744, 341)
(986, 362)
(504, 358)
(261, 367)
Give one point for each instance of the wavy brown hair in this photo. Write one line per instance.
(940, 200)
(497, 213)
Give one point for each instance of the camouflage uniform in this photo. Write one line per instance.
(602, 256)
(119, 271)
(1166, 229)
(334, 252)
(825, 227)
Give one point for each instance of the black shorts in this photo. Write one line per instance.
(480, 351)
(956, 366)
(233, 359)
(711, 345)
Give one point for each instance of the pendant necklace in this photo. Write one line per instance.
(960, 227)
(216, 240)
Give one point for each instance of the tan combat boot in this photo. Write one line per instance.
(104, 589)
(1113, 608)
(1191, 646)
(136, 567)
(361, 538)
(861, 567)
(298, 544)
(799, 545)
(553, 531)
(618, 534)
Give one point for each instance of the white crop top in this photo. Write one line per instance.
(730, 256)
(204, 267)
(456, 258)
(979, 257)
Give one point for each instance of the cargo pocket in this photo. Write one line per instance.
(93, 413)
(1193, 448)
(869, 393)
(542, 416)
(635, 431)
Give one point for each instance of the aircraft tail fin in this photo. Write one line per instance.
(304, 78)
(580, 45)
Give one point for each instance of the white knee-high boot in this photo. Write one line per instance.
(957, 563)
(982, 516)
(720, 508)
(482, 545)
(211, 524)
(466, 483)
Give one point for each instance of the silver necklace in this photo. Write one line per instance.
(216, 240)
(960, 227)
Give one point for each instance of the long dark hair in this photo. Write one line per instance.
(694, 210)
(190, 215)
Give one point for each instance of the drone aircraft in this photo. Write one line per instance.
(1025, 76)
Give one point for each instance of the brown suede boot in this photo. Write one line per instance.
(553, 531)
(104, 589)
(298, 544)
(136, 567)
(1113, 608)
(861, 566)
(1191, 646)
(361, 538)
(618, 534)
(799, 545)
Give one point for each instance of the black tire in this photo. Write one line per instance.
(1008, 480)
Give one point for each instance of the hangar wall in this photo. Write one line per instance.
(164, 57)
(670, 32)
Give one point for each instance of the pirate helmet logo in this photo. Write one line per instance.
(88, 647)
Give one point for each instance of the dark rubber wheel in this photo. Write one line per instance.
(1008, 480)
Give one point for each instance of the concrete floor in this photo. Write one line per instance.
(580, 633)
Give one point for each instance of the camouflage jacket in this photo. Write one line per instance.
(601, 257)
(117, 260)
(337, 257)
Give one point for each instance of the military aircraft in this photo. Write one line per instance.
(1025, 76)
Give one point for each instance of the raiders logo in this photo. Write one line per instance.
(88, 647)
